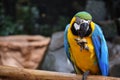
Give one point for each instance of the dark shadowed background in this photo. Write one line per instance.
(45, 17)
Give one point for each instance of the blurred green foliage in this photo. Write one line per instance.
(27, 21)
(9, 27)
(34, 17)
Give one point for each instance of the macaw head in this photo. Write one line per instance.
(80, 24)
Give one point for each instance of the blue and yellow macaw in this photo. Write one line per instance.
(85, 45)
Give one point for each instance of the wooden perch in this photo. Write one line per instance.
(13, 73)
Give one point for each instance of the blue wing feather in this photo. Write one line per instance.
(66, 44)
(101, 50)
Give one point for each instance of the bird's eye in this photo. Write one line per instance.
(76, 26)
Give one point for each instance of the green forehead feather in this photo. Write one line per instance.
(84, 15)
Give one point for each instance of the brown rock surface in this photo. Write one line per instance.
(23, 50)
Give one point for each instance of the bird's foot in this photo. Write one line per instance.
(86, 48)
(84, 77)
(82, 43)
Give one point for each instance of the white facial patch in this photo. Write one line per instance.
(76, 26)
(84, 21)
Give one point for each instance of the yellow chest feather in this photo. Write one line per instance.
(85, 60)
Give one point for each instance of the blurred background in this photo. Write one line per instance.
(32, 31)
(45, 17)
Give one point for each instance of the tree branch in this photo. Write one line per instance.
(14, 73)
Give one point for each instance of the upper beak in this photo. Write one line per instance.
(83, 29)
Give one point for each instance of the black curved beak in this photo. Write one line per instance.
(83, 29)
